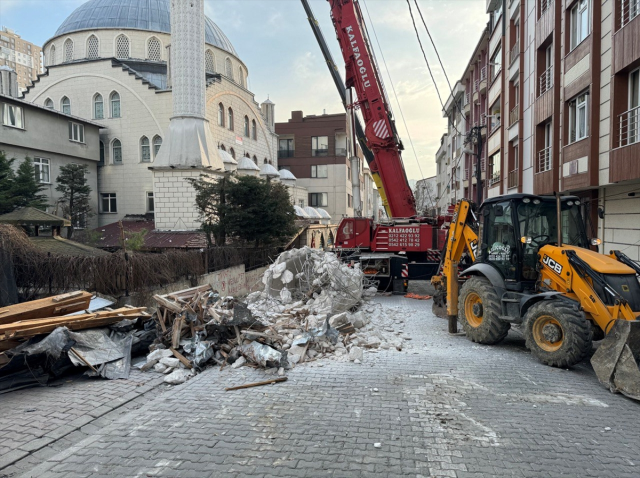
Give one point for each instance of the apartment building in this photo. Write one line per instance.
(562, 108)
(23, 57)
(314, 149)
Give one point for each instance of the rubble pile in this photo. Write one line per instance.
(312, 306)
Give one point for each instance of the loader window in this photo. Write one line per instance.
(501, 238)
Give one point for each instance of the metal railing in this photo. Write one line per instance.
(512, 179)
(514, 115)
(476, 85)
(483, 119)
(285, 153)
(467, 99)
(629, 127)
(495, 178)
(546, 79)
(465, 175)
(544, 5)
(515, 52)
(319, 152)
(494, 125)
(341, 151)
(544, 159)
(483, 73)
(629, 9)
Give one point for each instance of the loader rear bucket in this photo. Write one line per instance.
(616, 360)
(439, 306)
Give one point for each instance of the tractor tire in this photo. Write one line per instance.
(479, 312)
(557, 333)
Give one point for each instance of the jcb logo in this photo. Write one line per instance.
(474, 248)
(553, 265)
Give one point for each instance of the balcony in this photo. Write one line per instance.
(630, 9)
(544, 159)
(629, 127)
(482, 85)
(494, 126)
(514, 115)
(341, 151)
(545, 81)
(285, 153)
(466, 103)
(465, 175)
(512, 179)
(544, 6)
(319, 152)
(515, 52)
(495, 178)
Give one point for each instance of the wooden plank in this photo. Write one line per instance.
(176, 332)
(44, 308)
(180, 357)
(68, 295)
(63, 309)
(258, 384)
(168, 304)
(188, 292)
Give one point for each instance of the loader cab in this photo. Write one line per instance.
(516, 226)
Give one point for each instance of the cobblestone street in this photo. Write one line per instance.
(441, 407)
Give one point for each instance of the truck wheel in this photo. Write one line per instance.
(557, 333)
(479, 312)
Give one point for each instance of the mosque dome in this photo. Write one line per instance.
(149, 15)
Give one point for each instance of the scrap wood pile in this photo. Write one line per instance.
(312, 306)
(38, 342)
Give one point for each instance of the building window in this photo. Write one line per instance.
(116, 151)
(230, 119)
(157, 142)
(629, 9)
(545, 155)
(122, 47)
(109, 203)
(285, 148)
(254, 131)
(578, 118)
(150, 205)
(349, 200)
(52, 56)
(98, 106)
(241, 76)
(319, 145)
(154, 49)
(320, 171)
(220, 114)
(76, 132)
(68, 50)
(93, 47)
(579, 22)
(48, 103)
(12, 116)
(232, 153)
(496, 63)
(101, 153)
(145, 150)
(494, 169)
(222, 147)
(318, 199)
(255, 159)
(246, 126)
(115, 104)
(228, 68)
(65, 105)
(209, 62)
(42, 168)
(301, 203)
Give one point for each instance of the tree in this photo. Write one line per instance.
(72, 183)
(26, 190)
(211, 202)
(7, 178)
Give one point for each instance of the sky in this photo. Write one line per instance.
(275, 41)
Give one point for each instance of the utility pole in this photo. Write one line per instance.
(475, 136)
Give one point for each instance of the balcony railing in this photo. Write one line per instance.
(495, 178)
(483, 119)
(546, 79)
(476, 85)
(544, 5)
(512, 179)
(285, 153)
(628, 11)
(544, 159)
(465, 175)
(319, 152)
(629, 127)
(466, 100)
(341, 151)
(494, 125)
(515, 52)
(514, 115)
(483, 72)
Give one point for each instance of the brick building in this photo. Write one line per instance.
(21, 56)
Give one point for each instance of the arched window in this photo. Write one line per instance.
(98, 106)
(222, 147)
(116, 151)
(115, 104)
(154, 49)
(209, 62)
(255, 160)
(93, 47)
(48, 103)
(241, 76)
(157, 142)
(228, 68)
(246, 126)
(254, 132)
(122, 47)
(101, 153)
(232, 153)
(230, 120)
(265, 161)
(52, 56)
(220, 114)
(65, 105)
(145, 150)
(68, 50)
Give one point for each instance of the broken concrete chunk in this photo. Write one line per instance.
(356, 353)
(170, 362)
(178, 376)
(159, 354)
(160, 368)
(261, 354)
(239, 363)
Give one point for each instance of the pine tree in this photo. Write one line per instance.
(26, 190)
(72, 183)
(7, 178)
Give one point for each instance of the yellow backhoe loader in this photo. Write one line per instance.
(528, 261)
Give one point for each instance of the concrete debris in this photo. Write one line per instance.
(239, 362)
(178, 376)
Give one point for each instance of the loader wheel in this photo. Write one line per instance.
(479, 312)
(557, 333)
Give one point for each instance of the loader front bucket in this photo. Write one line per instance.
(616, 362)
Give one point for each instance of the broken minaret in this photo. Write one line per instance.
(188, 149)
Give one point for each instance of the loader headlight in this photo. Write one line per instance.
(569, 203)
(595, 241)
(536, 201)
(525, 240)
(526, 200)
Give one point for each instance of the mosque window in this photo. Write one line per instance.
(52, 56)
(246, 126)
(255, 160)
(116, 151)
(93, 47)
(210, 62)
(65, 105)
(98, 107)
(68, 50)
(241, 76)
(254, 132)
(228, 68)
(222, 147)
(145, 150)
(220, 114)
(115, 105)
(266, 161)
(232, 153)
(122, 47)
(157, 142)
(48, 104)
(101, 153)
(230, 120)
(154, 50)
